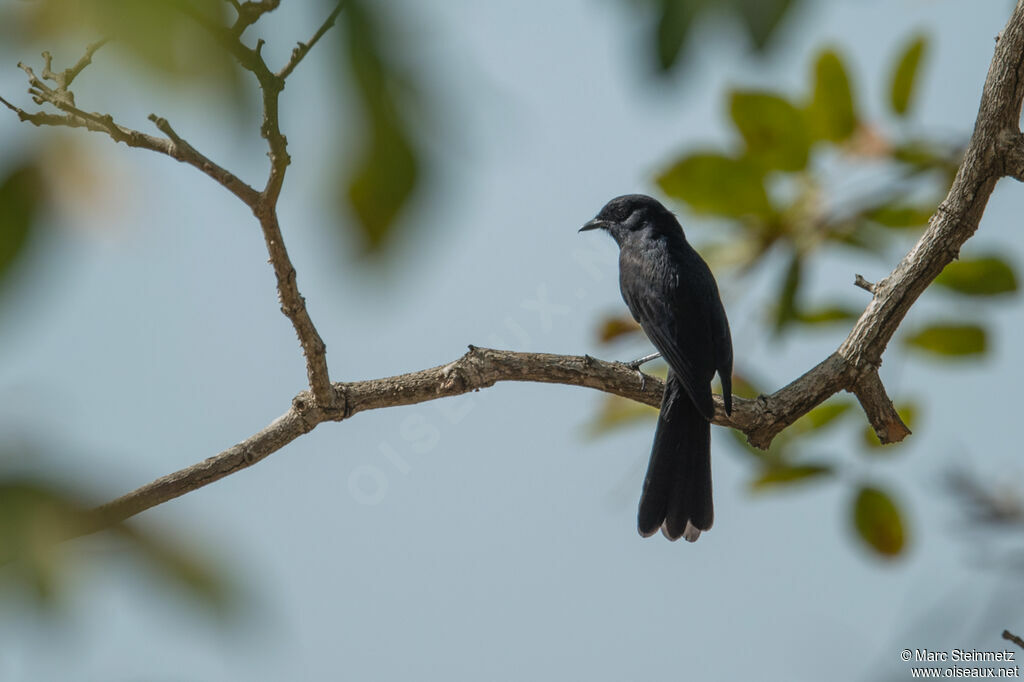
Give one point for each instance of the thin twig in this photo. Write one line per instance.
(863, 284)
(176, 149)
(293, 305)
(250, 12)
(1013, 638)
(302, 49)
(69, 75)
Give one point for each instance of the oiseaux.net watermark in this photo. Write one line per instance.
(961, 663)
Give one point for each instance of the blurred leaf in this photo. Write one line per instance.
(900, 216)
(614, 327)
(984, 502)
(715, 184)
(788, 475)
(785, 309)
(37, 517)
(826, 315)
(761, 18)
(877, 521)
(675, 17)
(776, 454)
(822, 416)
(773, 129)
(161, 34)
(904, 75)
(21, 194)
(388, 168)
(743, 387)
(385, 180)
(907, 412)
(617, 412)
(868, 142)
(33, 520)
(984, 276)
(857, 233)
(831, 114)
(952, 339)
(185, 568)
(928, 155)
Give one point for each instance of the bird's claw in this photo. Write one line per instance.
(639, 362)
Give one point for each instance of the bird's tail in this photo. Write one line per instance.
(677, 489)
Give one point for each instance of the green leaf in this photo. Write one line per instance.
(715, 184)
(675, 18)
(856, 232)
(774, 130)
(901, 216)
(825, 315)
(951, 340)
(904, 75)
(907, 412)
(983, 276)
(831, 115)
(924, 155)
(21, 194)
(785, 309)
(743, 387)
(183, 568)
(384, 181)
(821, 416)
(761, 18)
(161, 35)
(614, 327)
(617, 412)
(388, 167)
(774, 476)
(878, 522)
(36, 518)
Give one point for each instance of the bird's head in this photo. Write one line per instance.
(632, 213)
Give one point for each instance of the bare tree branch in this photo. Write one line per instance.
(175, 148)
(1012, 148)
(888, 424)
(994, 150)
(65, 77)
(302, 49)
(1007, 635)
(263, 204)
(859, 281)
(293, 305)
(478, 368)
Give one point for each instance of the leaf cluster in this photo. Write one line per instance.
(770, 191)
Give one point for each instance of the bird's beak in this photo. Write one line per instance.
(594, 225)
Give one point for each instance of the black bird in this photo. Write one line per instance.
(671, 292)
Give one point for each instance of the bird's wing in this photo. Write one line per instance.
(677, 318)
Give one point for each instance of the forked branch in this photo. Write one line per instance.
(996, 149)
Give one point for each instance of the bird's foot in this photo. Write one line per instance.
(636, 364)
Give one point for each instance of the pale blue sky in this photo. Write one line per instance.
(144, 335)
